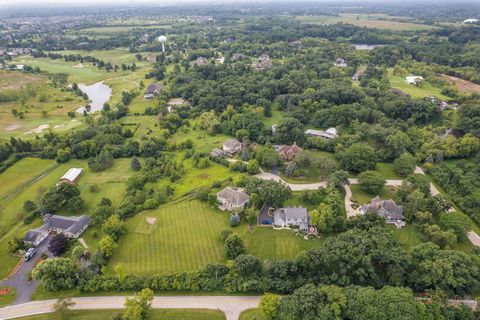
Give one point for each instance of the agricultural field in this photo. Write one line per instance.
(425, 89)
(170, 314)
(184, 236)
(378, 21)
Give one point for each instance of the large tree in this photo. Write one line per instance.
(56, 274)
(358, 157)
(372, 181)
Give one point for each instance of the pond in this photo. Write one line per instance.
(98, 93)
(368, 46)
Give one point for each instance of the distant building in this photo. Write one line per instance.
(341, 63)
(330, 133)
(263, 62)
(201, 61)
(388, 209)
(232, 199)
(238, 56)
(286, 217)
(72, 175)
(152, 90)
(217, 153)
(232, 147)
(287, 153)
(471, 21)
(413, 79)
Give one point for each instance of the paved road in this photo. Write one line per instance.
(20, 279)
(293, 186)
(232, 306)
(474, 238)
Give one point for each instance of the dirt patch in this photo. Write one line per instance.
(463, 86)
(203, 176)
(38, 129)
(13, 127)
(80, 66)
(150, 220)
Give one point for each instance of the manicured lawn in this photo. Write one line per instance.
(387, 171)
(170, 314)
(252, 314)
(21, 172)
(8, 298)
(184, 237)
(426, 89)
(148, 126)
(114, 56)
(363, 197)
(276, 117)
(202, 141)
(409, 235)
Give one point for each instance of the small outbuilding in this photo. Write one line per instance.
(72, 175)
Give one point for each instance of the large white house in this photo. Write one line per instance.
(413, 79)
(330, 133)
(232, 147)
(286, 217)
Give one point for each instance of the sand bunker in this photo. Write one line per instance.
(38, 129)
(13, 127)
(150, 220)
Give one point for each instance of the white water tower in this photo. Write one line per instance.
(162, 40)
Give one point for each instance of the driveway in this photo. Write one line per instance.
(232, 306)
(19, 280)
(293, 186)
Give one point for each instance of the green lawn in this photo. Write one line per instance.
(22, 172)
(185, 237)
(164, 314)
(425, 89)
(387, 171)
(8, 298)
(252, 314)
(363, 197)
(408, 235)
(202, 141)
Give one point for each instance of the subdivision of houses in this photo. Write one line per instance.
(232, 147)
(232, 199)
(71, 227)
(287, 217)
(287, 153)
(388, 209)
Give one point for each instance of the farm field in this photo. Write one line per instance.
(153, 314)
(426, 89)
(185, 237)
(379, 21)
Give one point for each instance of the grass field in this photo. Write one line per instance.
(185, 237)
(378, 21)
(252, 314)
(202, 141)
(387, 170)
(114, 56)
(363, 197)
(8, 298)
(109, 30)
(154, 314)
(14, 80)
(426, 89)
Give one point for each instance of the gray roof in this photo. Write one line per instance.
(232, 143)
(73, 225)
(387, 208)
(292, 213)
(153, 88)
(217, 152)
(33, 235)
(233, 195)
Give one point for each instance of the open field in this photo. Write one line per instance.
(114, 56)
(378, 21)
(185, 237)
(425, 89)
(202, 141)
(14, 80)
(170, 314)
(463, 86)
(109, 30)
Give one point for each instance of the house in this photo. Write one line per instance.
(388, 209)
(330, 133)
(471, 21)
(238, 56)
(413, 79)
(294, 44)
(72, 175)
(232, 147)
(286, 217)
(71, 227)
(217, 153)
(152, 90)
(201, 61)
(341, 63)
(287, 153)
(35, 237)
(232, 198)
(263, 62)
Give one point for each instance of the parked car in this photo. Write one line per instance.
(30, 253)
(267, 222)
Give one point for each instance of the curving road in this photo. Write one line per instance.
(232, 306)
